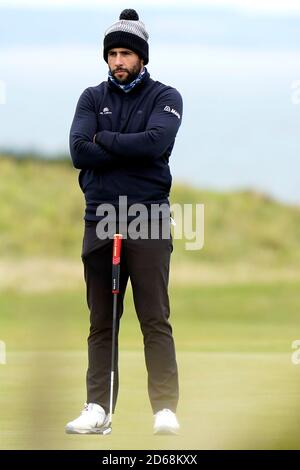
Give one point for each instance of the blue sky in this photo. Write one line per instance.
(234, 63)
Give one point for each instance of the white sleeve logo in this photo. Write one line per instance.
(173, 111)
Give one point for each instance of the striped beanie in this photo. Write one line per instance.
(129, 32)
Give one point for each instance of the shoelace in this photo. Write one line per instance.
(85, 409)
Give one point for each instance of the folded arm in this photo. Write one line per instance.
(158, 136)
(85, 153)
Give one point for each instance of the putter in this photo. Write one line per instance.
(115, 290)
(107, 426)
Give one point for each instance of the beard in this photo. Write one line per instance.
(131, 74)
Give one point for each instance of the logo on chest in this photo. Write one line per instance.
(105, 111)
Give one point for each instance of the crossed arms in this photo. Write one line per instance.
(98, 150)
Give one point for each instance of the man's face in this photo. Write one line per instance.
(124, 64)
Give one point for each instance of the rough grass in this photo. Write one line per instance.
(41, 210)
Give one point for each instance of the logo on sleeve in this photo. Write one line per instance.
(172, 110)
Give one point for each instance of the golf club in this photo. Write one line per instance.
(115, 290)
(107, 426)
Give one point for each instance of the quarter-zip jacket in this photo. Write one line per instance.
(135, 134)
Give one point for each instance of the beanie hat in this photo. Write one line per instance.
(128, 32)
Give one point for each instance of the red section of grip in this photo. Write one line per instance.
(117, 248)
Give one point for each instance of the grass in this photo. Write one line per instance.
(228, 401)
(41, 211)
(235, 313)
(233, 318)
(239, 388)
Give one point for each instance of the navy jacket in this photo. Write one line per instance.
(135, 136)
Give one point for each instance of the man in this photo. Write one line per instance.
(121, 139)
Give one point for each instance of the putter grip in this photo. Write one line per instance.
(117, 248)
(116, 263)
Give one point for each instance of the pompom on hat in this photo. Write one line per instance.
(129, 32)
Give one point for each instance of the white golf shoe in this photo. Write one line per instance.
(92, 420)
(165, 422)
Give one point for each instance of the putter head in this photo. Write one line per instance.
(105, 431)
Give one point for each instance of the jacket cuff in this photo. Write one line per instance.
(105, 138)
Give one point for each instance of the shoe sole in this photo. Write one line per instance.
(104, 431)
(166, 431)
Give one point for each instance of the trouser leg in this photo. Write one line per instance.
(148, 266)
(97, 272)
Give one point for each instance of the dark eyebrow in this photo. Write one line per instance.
(127, 51)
